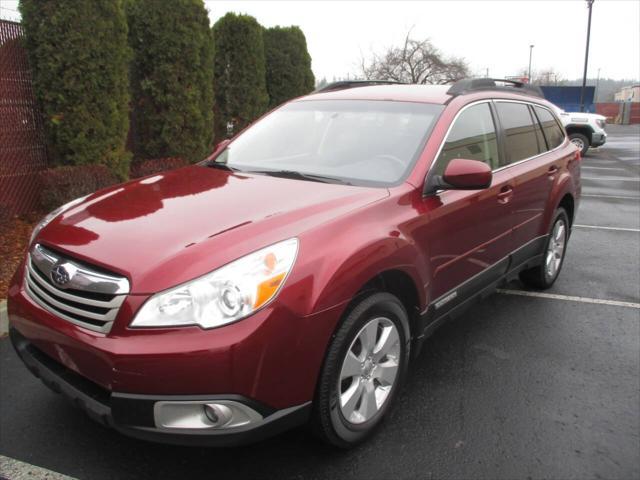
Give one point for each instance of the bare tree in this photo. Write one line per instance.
(416, 61)
(546, 76)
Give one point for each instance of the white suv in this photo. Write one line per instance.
(584, 129)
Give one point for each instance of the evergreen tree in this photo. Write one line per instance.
(239, 72)
(172, 79)
(288, 64)
(79, 59)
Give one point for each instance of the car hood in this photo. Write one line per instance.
(582, 117)
(163, 230)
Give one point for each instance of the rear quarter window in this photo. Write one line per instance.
(552, 131)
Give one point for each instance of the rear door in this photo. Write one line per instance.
(532, 169)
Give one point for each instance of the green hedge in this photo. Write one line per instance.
(79, 58)
(239, 72)
(288, 63)
(172, 79)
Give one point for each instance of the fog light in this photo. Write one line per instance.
(203, 415)
(211, 414)
(219, 415)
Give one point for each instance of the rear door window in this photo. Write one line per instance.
(552, 131)
(521, 141)
(472, 137)
(542, 144)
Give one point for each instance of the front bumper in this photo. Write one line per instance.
(598, 139)
(133, 415)
(269, 362)
(273, 356)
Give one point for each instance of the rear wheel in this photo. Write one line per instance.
(363, 371)
(580, 141)
(544, 275)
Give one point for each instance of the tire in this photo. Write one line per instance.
(543, 276)
(580, 141)
(343, 423)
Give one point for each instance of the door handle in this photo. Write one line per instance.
(505, 194)
(552, 170)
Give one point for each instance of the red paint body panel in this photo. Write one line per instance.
(464, 232)
(164, 230)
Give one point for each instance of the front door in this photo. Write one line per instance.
(467, 234)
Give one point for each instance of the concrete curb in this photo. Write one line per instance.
(16, 470)
(4, 318)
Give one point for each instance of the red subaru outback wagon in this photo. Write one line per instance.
(290, 277)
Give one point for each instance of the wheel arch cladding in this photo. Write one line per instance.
(585, 130)
(403, 286)
(399, 284)
(562, 195)
(568, 204)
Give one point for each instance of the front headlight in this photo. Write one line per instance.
(225, 295)
(46, 220)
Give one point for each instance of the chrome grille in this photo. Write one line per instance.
(85, 296)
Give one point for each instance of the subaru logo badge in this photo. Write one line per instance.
(60, 275)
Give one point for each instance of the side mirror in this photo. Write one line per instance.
(461, 174)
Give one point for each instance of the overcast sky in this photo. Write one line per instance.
(489, 34)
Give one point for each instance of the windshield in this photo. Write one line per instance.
(351, 141)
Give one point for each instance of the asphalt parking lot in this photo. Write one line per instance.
(519, 387)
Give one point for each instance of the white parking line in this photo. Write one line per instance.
(598, 227)
(603, 168)
(569, 298)
(613, 179)
(4, 319)
(619, 197)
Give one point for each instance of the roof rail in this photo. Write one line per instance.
(345, 84)
(468, 85)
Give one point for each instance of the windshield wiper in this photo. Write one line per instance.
(300, 176)
(222, 166)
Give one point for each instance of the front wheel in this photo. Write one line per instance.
(363, 370)
(580, 141)
(543, 276)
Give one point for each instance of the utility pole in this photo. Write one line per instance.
(595, 93)
(530, 54)
(586, 57)
(487, 75)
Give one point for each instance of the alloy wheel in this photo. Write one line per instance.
(369, 370)
(578, 143)
(555, 249)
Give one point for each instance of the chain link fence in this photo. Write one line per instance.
(22, 144)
